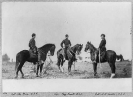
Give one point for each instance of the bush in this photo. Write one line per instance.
(5, 58)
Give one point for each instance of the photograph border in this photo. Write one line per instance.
(60, 94)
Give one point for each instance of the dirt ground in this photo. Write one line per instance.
(83, 70)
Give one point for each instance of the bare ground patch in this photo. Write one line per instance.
(83, 71)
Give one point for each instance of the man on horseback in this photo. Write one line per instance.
(32, 44)
(33, 48)
(67, 44)
(101, 48)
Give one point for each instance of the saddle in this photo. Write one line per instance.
(66, 55)
(103, 56)
(33, 54)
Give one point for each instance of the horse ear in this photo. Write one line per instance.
(82, 45)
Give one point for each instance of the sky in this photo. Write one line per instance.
(82, 21)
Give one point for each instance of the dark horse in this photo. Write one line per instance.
(24, 56)
(110, 57)
(60, 56)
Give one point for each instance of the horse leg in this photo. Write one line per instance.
(34, 68)
(112, 65)
(95, 68)
(61, 66)
(22, 73)
(38, 65)
(17, 70)
(74, 66)
(69, 65)
(20, 66)
(41, 66)
(59, 63)
(17, 73)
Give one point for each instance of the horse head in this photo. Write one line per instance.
(52, 50)
(79, 48)
(48, 48)
(88, 46)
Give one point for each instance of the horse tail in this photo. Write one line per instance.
(17, 62)
(58, 57)
(120, 57)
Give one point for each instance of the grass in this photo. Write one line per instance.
(83, 70)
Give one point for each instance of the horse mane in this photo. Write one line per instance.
(46, 46)
(92, 46)
(73, 48)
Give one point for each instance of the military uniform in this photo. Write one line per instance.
(102, 50)
(102, 45)
(32, 45)
(67, 44)
(34, 50)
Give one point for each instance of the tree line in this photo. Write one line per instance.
(5, 58)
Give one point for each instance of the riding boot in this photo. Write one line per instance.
(103, 56)
(65, 54)
(66, 57)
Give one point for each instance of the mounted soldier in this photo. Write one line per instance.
(101, 48)
(33, 49)
(67, 44)
(32, 44)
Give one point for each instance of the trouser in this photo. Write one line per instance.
(68, 48)
(37, 53)
(34, 50)
(102, 53)
(65, 52)
(103, 49)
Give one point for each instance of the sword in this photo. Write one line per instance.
(99, 58)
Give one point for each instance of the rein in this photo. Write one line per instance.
(72, 50)
(41, 51)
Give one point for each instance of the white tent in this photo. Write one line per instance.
(84, 57)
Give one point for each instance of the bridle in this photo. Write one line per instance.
(75, 52)
(41, 51)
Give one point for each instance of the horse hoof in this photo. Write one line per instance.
(112, 75)
(22, 77)
(37, 76)
(16, 77)
(95, 75)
